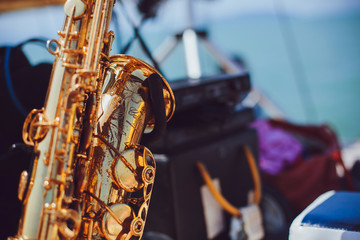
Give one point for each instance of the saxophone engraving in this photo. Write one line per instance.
(91, 178)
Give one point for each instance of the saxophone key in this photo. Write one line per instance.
(117, 220)
(126, 169)
(79, 6)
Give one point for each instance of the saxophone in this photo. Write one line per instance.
(91, 178)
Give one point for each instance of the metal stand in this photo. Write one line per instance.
(190, 39)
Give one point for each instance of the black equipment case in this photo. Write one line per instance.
(204, 128)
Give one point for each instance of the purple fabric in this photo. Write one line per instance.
(278, 148)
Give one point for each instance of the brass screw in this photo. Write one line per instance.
(149, 175)
(92, 214)
(47, 185)
(138, 226)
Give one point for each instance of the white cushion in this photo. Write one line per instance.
(312, 222)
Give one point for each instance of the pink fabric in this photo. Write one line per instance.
(278, 148)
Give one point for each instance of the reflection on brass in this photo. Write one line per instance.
(91, 179)
(24, 176)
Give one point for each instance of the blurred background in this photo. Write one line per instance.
(304, 56)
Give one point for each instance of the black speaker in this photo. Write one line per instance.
(208, 127)
(176, 207)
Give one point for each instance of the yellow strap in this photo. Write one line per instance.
(255, 174)
(220, 198)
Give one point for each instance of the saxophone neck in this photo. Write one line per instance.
(99, 29)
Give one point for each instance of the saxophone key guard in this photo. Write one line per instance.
(35, 128)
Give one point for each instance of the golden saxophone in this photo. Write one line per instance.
(91, 179)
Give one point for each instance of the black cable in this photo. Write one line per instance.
(42, 42)
(19, 106)
(135, 36)
(295, 61)
(138, 36)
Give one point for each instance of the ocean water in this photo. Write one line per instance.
(309, 67)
